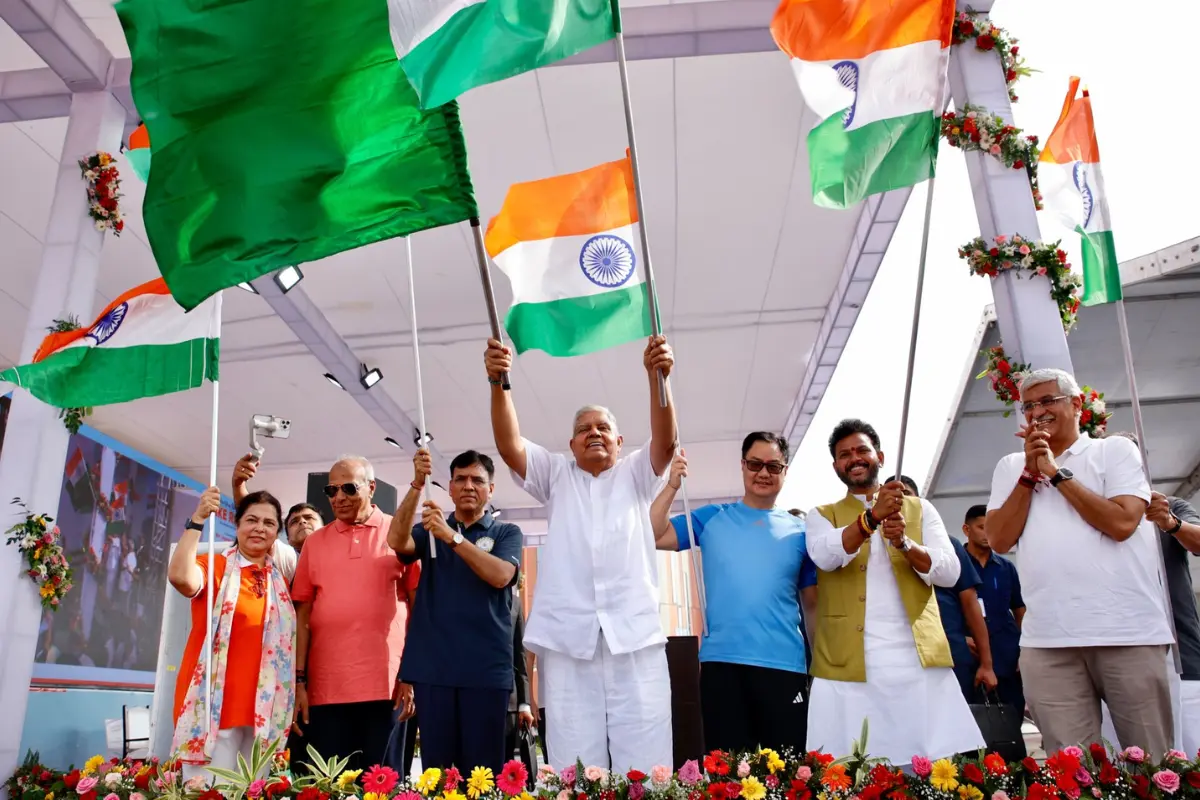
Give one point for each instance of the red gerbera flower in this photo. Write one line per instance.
(972, 773)
(453, 779)
(716, 763)
(380, 780)
(995, 764)
(512, 778)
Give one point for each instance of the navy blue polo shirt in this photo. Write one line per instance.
(1001, 595)
(950, 606)
(460, 630)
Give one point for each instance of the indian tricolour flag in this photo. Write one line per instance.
(449, 46)
(873, 71)
(143, 344)
(1073, 186)
(569, 246)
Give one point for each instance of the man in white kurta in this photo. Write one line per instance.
(912, 709)
(595, 623)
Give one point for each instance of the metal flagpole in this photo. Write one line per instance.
(412, 305)
(489, 295)
(212, 539)
(697, 570)
(651, 291)
(916, 324)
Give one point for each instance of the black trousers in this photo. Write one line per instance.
(542, 733)
(462, 728)
(357, 731)
(746, 707)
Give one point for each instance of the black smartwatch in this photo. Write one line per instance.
(1174, 529)
(192, 525)
(1063, 474)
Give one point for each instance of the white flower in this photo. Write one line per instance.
(1098, 406)
(90, 175)
(100, 226)
(112, 779)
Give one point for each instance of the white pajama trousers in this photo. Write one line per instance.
(229, 744)
(616, 706)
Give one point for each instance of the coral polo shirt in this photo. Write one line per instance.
(359, 611)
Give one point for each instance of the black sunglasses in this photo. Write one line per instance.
(754, 465)
(348, 489)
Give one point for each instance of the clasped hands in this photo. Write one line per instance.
(1039, 459)
(887, 512)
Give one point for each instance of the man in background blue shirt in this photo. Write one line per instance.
(1000, 591)
(963, 621)
(753, 673)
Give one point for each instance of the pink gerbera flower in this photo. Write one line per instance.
(512, 778)
(380, 780)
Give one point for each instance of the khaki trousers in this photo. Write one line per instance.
(1064, 687)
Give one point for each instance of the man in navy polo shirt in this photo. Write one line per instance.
(1000, 591)
(753, 673)
(459, 653)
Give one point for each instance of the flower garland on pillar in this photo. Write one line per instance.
(41, 546)
(103, 180)
(968, 25)
(973, 129)
(72, 417)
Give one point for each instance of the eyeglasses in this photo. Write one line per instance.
(756, 466)
(348, 489)
(1034, 405)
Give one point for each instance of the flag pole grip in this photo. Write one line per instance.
(489, 294)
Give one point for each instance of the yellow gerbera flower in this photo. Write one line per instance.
(92, 764)
(429, 780)
(453, 795)
(526, 796)
(49, 796)
(968, 792)
(480, 782)
(774, 762)
(752, 788)
(347, 778)
(944, 775)
(374, 796)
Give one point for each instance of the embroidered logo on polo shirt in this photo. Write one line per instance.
(485, 544)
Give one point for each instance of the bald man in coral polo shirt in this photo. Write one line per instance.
(352, 612)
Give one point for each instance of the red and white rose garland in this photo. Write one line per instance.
(103, 179)
(47, 564)
(1005, 253)
(970, 25)
(1005, 377)
(975, 129)
(1093, 419)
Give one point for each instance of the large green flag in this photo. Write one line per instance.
(283, 132)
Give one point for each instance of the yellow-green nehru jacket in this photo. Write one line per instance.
(838, 653)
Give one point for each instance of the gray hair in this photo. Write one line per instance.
(599, 409)
(1061, 378)
(368, 470)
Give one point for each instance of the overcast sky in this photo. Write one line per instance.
(1134, 65)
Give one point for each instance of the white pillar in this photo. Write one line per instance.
(1030, 325)
(35, 448)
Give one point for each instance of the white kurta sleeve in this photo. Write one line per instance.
(648, 484)
(944, 566)
(540, 466)
(825, 543)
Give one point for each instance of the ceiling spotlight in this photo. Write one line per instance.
(391, 441)
(329, 377)
(287, 278)
(421, 441)
(247, 287)
(370, 377)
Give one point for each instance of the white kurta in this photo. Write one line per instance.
(911, 710)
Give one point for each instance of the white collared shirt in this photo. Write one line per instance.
(1081, 587)
(598, 569)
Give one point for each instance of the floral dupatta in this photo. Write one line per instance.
(194, 735)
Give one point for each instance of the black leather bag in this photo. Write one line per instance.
(1000, 725)
(527, 749)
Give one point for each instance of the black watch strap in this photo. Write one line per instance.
(1175, 529)
(1063, 474)
(192, 525)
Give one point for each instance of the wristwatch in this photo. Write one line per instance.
(905, 545)
(1175, 528)
(1063, 474)
(456, 541)
(192, 525)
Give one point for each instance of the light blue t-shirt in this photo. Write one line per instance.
(755, 563)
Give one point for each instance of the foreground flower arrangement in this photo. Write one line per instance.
(1005, 377)
(46, 562)
(1093, 419)
(970, 25)
(1005, 253)
(758, 775)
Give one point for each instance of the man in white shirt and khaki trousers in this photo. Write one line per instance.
(1096, 624)
(595, 623)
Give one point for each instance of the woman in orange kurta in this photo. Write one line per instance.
(253, 627)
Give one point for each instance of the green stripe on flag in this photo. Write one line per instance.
(98, 376)
(284, 131)
(1101, 272)
(848, 165)
(574, 326)
(497, 39)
